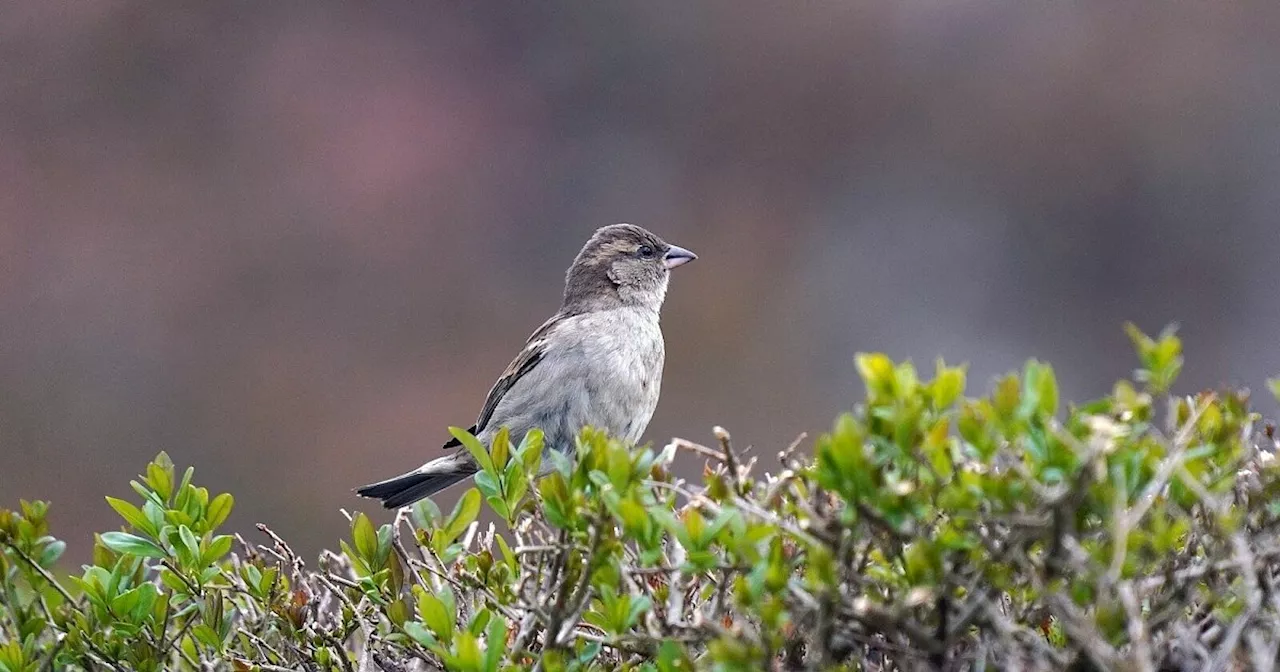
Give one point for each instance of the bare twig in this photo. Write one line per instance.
(1141, 654)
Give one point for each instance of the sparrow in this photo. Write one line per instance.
(597, 362)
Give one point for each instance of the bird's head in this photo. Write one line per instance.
(622, 264)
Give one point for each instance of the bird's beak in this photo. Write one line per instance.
(676, 256)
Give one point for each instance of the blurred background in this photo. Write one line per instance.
(289, 243)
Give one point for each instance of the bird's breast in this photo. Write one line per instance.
(624, 371)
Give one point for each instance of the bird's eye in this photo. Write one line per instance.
(645, 252)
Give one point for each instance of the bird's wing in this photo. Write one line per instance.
(534, 350)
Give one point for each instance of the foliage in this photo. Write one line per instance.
(929, 530)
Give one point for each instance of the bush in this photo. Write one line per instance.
(929, 530)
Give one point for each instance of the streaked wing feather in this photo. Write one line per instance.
(534, 350)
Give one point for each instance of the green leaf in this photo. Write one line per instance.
(132, 515)
(479, 621)
(488, 484)
(500, 448)
(1048, 389)
(937, 448)
(668, 521)
(1161, 358)
(1006, 397)
(635, 519)
(589, 652)
(495, 643)
(365, 538)
(639, 605)
(155, 515)
(464, 513)
(517, 486)
(507, 555)
(474, 447)
(877, 372)
(219, 546)
(450, 602)
(499, 507)
(1141, 342)
(947, 386)
(182, 490)
(190, 542)
(160, 476)
(672, 658)
(357, 561)
(122, 542)
(560, 462)
(398, 612)
(124, 602)
(467, 653)
(33, 628)
(905, 379)
(52, 552)
(146, 599)
(555, 499)
(420, 634)
(144, 492)
(425, 514)
(207, 636)
(436, 616)
(531, 447)
(921, 563)
(727, 515)
(218, 511)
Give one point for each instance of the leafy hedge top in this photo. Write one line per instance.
(930, 530)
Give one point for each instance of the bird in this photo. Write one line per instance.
(596, 362)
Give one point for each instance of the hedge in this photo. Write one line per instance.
(926, 530)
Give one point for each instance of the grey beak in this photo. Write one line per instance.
(677, 256)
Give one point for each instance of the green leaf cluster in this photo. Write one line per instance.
(930, 528)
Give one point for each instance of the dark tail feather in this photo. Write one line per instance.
(409, 488)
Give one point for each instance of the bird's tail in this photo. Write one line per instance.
(424, 481)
